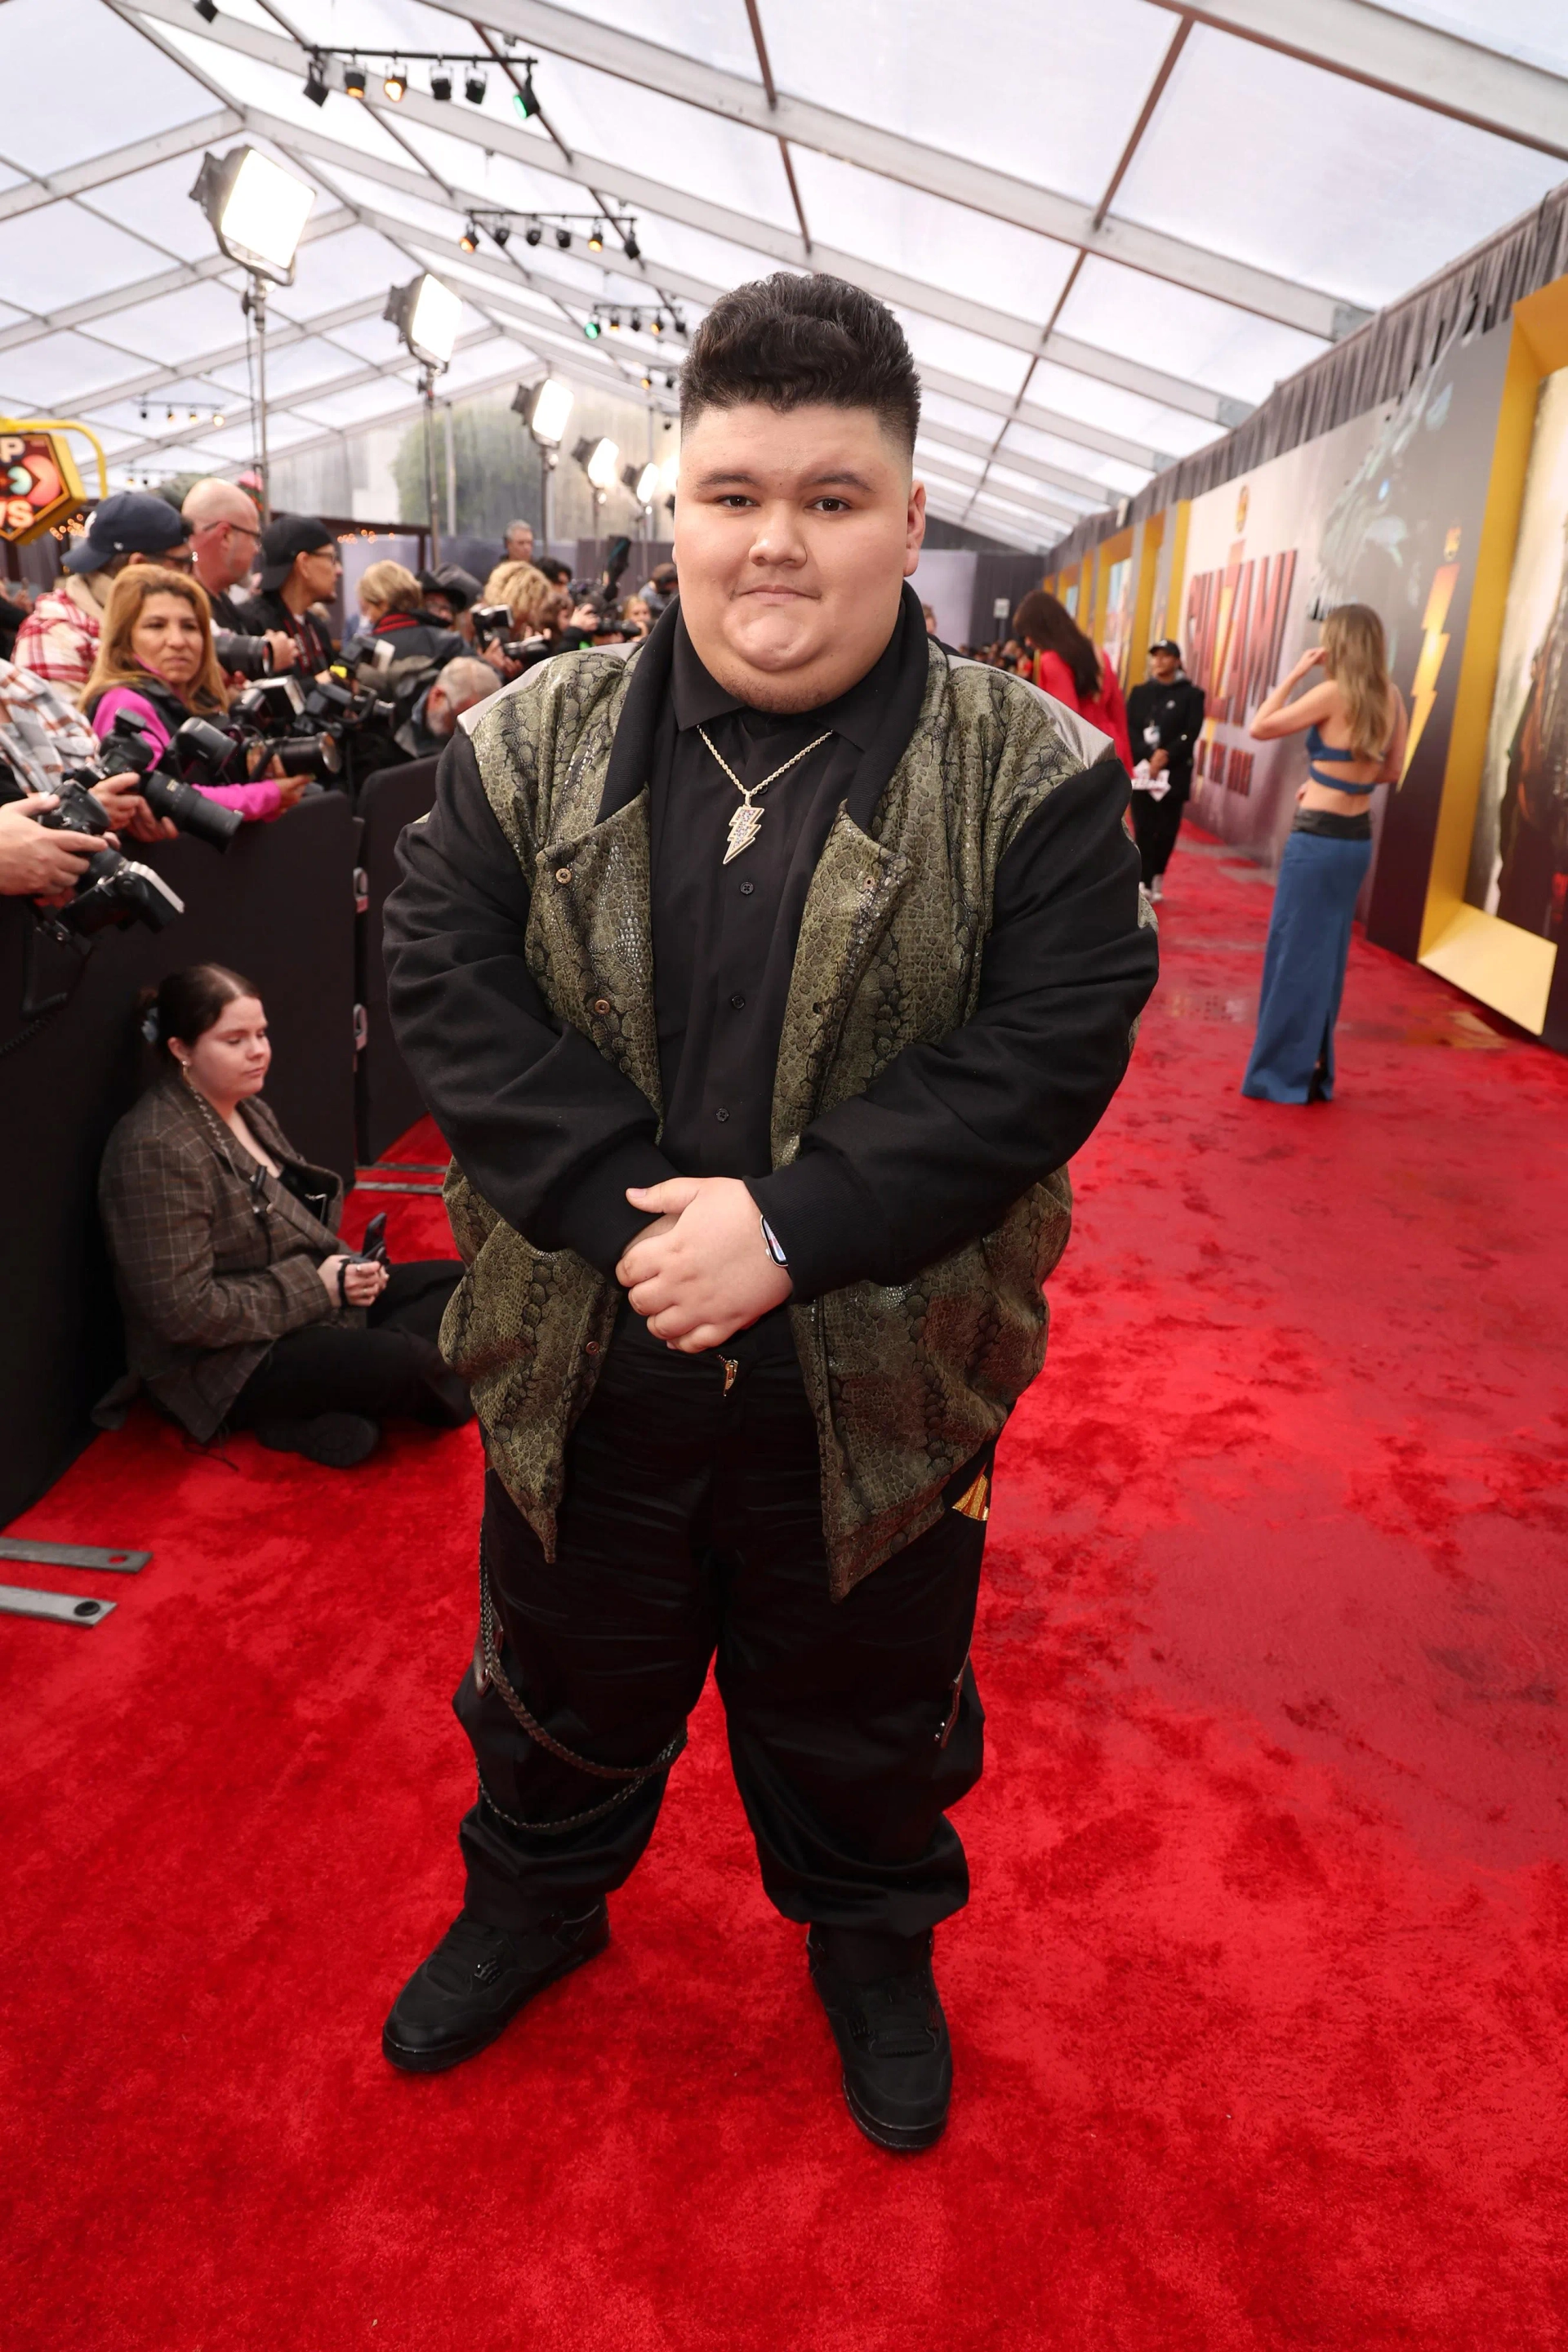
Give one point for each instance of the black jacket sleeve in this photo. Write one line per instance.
(547, 1131)
(936, 1149)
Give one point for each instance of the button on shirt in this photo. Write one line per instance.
(724, 936)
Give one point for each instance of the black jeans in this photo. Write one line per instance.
(392, 1366)
(692, 1525)
(1155, 825)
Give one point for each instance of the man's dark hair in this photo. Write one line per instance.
(792, 341)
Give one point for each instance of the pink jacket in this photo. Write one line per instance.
(261, 801)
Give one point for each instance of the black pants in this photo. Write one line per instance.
(391, 1367)
(1155, 825)
(692, 1525)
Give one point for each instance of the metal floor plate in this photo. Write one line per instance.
(51, 1554)
(67, 1608)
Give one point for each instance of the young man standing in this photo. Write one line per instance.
(1164, 720)
(300, 570)
(762, 983)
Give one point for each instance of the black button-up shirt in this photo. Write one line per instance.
(724, 936)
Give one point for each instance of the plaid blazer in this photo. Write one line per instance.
(214, 1259)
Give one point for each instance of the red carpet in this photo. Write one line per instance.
(1259, 2007)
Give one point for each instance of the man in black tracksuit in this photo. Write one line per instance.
(1164, 720)
(761, 978)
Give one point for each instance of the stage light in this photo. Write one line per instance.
(501, 233)
(354, 80)
(256, 209)
(593, 330)
(441, 82)
(207, 10)
(524, 100)
(533, 233)
(563, 239)
(547, 409)
(635, 322)
(395, 85)
(597, 459)
(643, 482)
(216, 419)
(426, 313)
(648, 384)
(656, 324)
(316, 81)
(469, 240)
(630, 247)
(614, 322)
(476, 82)
(595, 239)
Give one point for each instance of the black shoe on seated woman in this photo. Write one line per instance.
(340, 1440)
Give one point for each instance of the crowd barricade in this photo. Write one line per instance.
(279, 907)
(386, 1100)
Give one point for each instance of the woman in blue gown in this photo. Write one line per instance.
(1355, 723)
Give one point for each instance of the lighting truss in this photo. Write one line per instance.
(358, 63)
(651, 317)
(498, 225)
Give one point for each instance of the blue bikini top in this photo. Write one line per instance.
(1318, 750)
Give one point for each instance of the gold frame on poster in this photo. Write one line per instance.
(1495, 962)
(1117, 549)
(1150, 539)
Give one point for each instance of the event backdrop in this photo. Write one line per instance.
(1519, 851)
(1385, 510)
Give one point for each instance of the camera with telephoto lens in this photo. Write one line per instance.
(311, 731)
(114, 890)
(163, 782)
(242, 656)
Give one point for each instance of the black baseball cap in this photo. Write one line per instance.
(1166, 645)
(285, 537)
(132, 522)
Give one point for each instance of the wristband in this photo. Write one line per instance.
(772, 1246)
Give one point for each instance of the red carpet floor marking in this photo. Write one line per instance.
(1260, 2007)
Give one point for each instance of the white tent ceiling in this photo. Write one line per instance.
(1108, 225)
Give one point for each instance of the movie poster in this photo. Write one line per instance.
(1118, 639)
(1247, 611)
(1519, 855)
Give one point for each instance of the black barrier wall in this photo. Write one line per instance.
(386, 1100)
(279, 908)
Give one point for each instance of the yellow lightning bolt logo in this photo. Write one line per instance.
(1434, 645)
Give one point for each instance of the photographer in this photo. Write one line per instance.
(156, 661)
(460, 686)
(242, 1308)
(226, 530)
(299, 572)
(536, 608)
(59, 637)
(448, 594)
(393, 616)
(40, 738)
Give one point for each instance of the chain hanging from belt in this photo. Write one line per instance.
(747, 821)
(632, 1775)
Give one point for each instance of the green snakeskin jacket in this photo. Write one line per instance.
(906, 1383)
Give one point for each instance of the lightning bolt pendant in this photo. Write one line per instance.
(746, 824)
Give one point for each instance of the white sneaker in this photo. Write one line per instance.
(1154, 889)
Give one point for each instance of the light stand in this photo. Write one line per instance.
(545, 408)
(253, 303)
(427, 395)
(427, 313)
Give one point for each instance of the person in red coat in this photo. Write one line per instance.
(1066, 664)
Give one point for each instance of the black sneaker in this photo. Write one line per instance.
(476, 1981)
(893, 2037)
(339, 1440)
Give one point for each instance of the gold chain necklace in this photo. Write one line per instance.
(747, 821)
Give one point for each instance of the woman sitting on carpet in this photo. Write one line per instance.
(1355, 726)
(242, 1308)
(156, 661)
